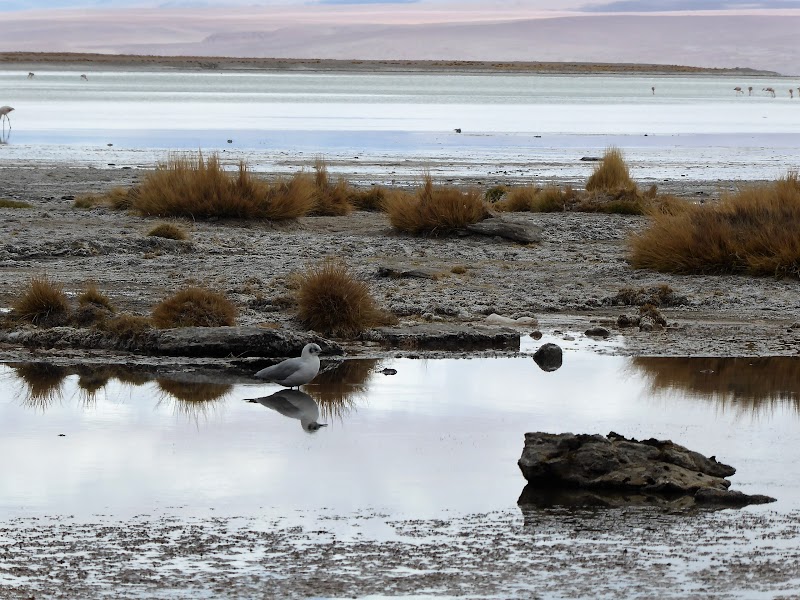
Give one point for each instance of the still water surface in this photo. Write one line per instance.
(538, 124)
(439, 439)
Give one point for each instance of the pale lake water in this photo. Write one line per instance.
(528, 126)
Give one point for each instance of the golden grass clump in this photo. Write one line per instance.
(168, 231)
(435, 209)
(332, 301)
(535, 199)
(611, 175)
(194, 307)
(330, 199)
(118, 198)
(127, 327)
(753, 231)
(42, 303)
(371, 199)
(91, 294)
(6, 203)
(202, 189)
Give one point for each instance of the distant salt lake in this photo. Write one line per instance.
(534, 126)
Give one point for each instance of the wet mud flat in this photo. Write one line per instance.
(567, 282)
(630, 553)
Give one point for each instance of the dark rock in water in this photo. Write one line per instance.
(537, 335)
(597, 332)
(388, 371)
(504, 227)
(613, 471)
(548, 357)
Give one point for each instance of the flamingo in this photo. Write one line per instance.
(84, 77)
(738, 90)
(791, 93)
(30, 75)
(4, 110)
(653, 89)
(769, 90)
(750, 90)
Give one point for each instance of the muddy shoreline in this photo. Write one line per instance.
(567, 282)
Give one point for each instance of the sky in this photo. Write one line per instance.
(759, 34)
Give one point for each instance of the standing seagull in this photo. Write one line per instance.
(295, 405)
(294, 372)
(4, 110)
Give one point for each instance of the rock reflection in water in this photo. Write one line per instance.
(533, 498)
(337, 390)
(752, 383)
(43, 383)
(295, 405)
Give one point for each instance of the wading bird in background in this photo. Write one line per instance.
(770, 91)
(30, 75)
(84, 77)
(791, 93)
(750, 91)
(4, 110)
(738, 90)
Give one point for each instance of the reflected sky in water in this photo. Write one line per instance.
(439, 437)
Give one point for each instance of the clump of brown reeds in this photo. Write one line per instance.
(751, 231)
(118, 198)
(330, 198)
(168, 231)
(202, 189)
(7, 203)
(611, 175)
(43, 302)
(369, 199)
(91, 294)
(331, 300)
(194, 307)
(435, 209)
(126, 327)
(536, 199)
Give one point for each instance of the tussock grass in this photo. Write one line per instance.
(91, 294)
(168, 231)
(126, 327)
(330, 199)
(6, 203)
(331, 300)
(656, 295)
(202, 189)
(194, 307)
(435, 209)
(611, 175)
(535, 199)
(495, 193)
(118, 198)
(752, 231)
(42, 303)
(371, 199)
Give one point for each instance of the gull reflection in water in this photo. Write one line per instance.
(295, 405)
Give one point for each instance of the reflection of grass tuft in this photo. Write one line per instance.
(337, 390)
(194, 400)
(754, 383)
(44, 383)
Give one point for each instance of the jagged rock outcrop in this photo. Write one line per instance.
(613, 470)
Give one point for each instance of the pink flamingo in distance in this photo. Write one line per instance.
(738, 90)
(4, 110)
(769, 90)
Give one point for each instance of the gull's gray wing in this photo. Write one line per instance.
(282, 370)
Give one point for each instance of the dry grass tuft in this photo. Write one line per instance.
(92, 295)
(611, 175)
(458, 270)
(118, 198)
(332, 301)
(6, 203)
(127, 327)
(370, 199)
(194, 307)
(43, 303)
(202, 189)
(435, 209)
(753, 231)
(495, 194)
(535, 199)
(169, 231)
(656, 295)
(330, 199)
